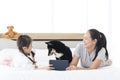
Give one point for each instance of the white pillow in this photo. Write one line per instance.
(6, 56)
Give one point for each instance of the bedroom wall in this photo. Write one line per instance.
(72, 16)
(64, 16)
(48, 16)
(8, 43)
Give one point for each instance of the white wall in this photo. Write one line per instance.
(116, 32)
(26, 15)
(54, 15)
(75, 16)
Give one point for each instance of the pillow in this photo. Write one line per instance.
(6, 61)
(6, 56)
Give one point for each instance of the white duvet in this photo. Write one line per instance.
(9, 73)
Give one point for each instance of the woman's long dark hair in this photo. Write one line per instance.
(25, 41)
(101, 41)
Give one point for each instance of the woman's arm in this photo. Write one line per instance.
(74, 62)
(96, 63)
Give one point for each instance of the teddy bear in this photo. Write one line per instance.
(11, 33)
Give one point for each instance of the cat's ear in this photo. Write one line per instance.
(48, 43)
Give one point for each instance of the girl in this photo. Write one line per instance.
(25, 58)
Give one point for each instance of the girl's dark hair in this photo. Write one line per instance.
(101, 41)
(25, 41)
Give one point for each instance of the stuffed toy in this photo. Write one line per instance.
(11, 33)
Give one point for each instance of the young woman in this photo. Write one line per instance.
(25, 58)
(92, 53)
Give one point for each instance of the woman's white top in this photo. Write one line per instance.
(86, 58)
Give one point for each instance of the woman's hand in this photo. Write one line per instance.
(72, 67)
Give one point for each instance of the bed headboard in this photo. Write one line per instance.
(39, 39)
(61, 36)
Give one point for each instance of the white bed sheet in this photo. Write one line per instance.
(10, 73)
(108, 73)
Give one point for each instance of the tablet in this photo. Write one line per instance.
(59, 64)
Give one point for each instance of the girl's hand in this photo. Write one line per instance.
(48, 68)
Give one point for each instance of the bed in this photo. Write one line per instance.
(10, 73)
(103, 74)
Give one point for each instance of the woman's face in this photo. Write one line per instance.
(88, 42)
(28, 49)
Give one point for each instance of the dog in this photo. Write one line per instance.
(59, 49)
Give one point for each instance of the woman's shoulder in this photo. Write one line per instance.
(102, 50)
(80, 46)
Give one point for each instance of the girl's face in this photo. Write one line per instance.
(88, 42)
(27, 50)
